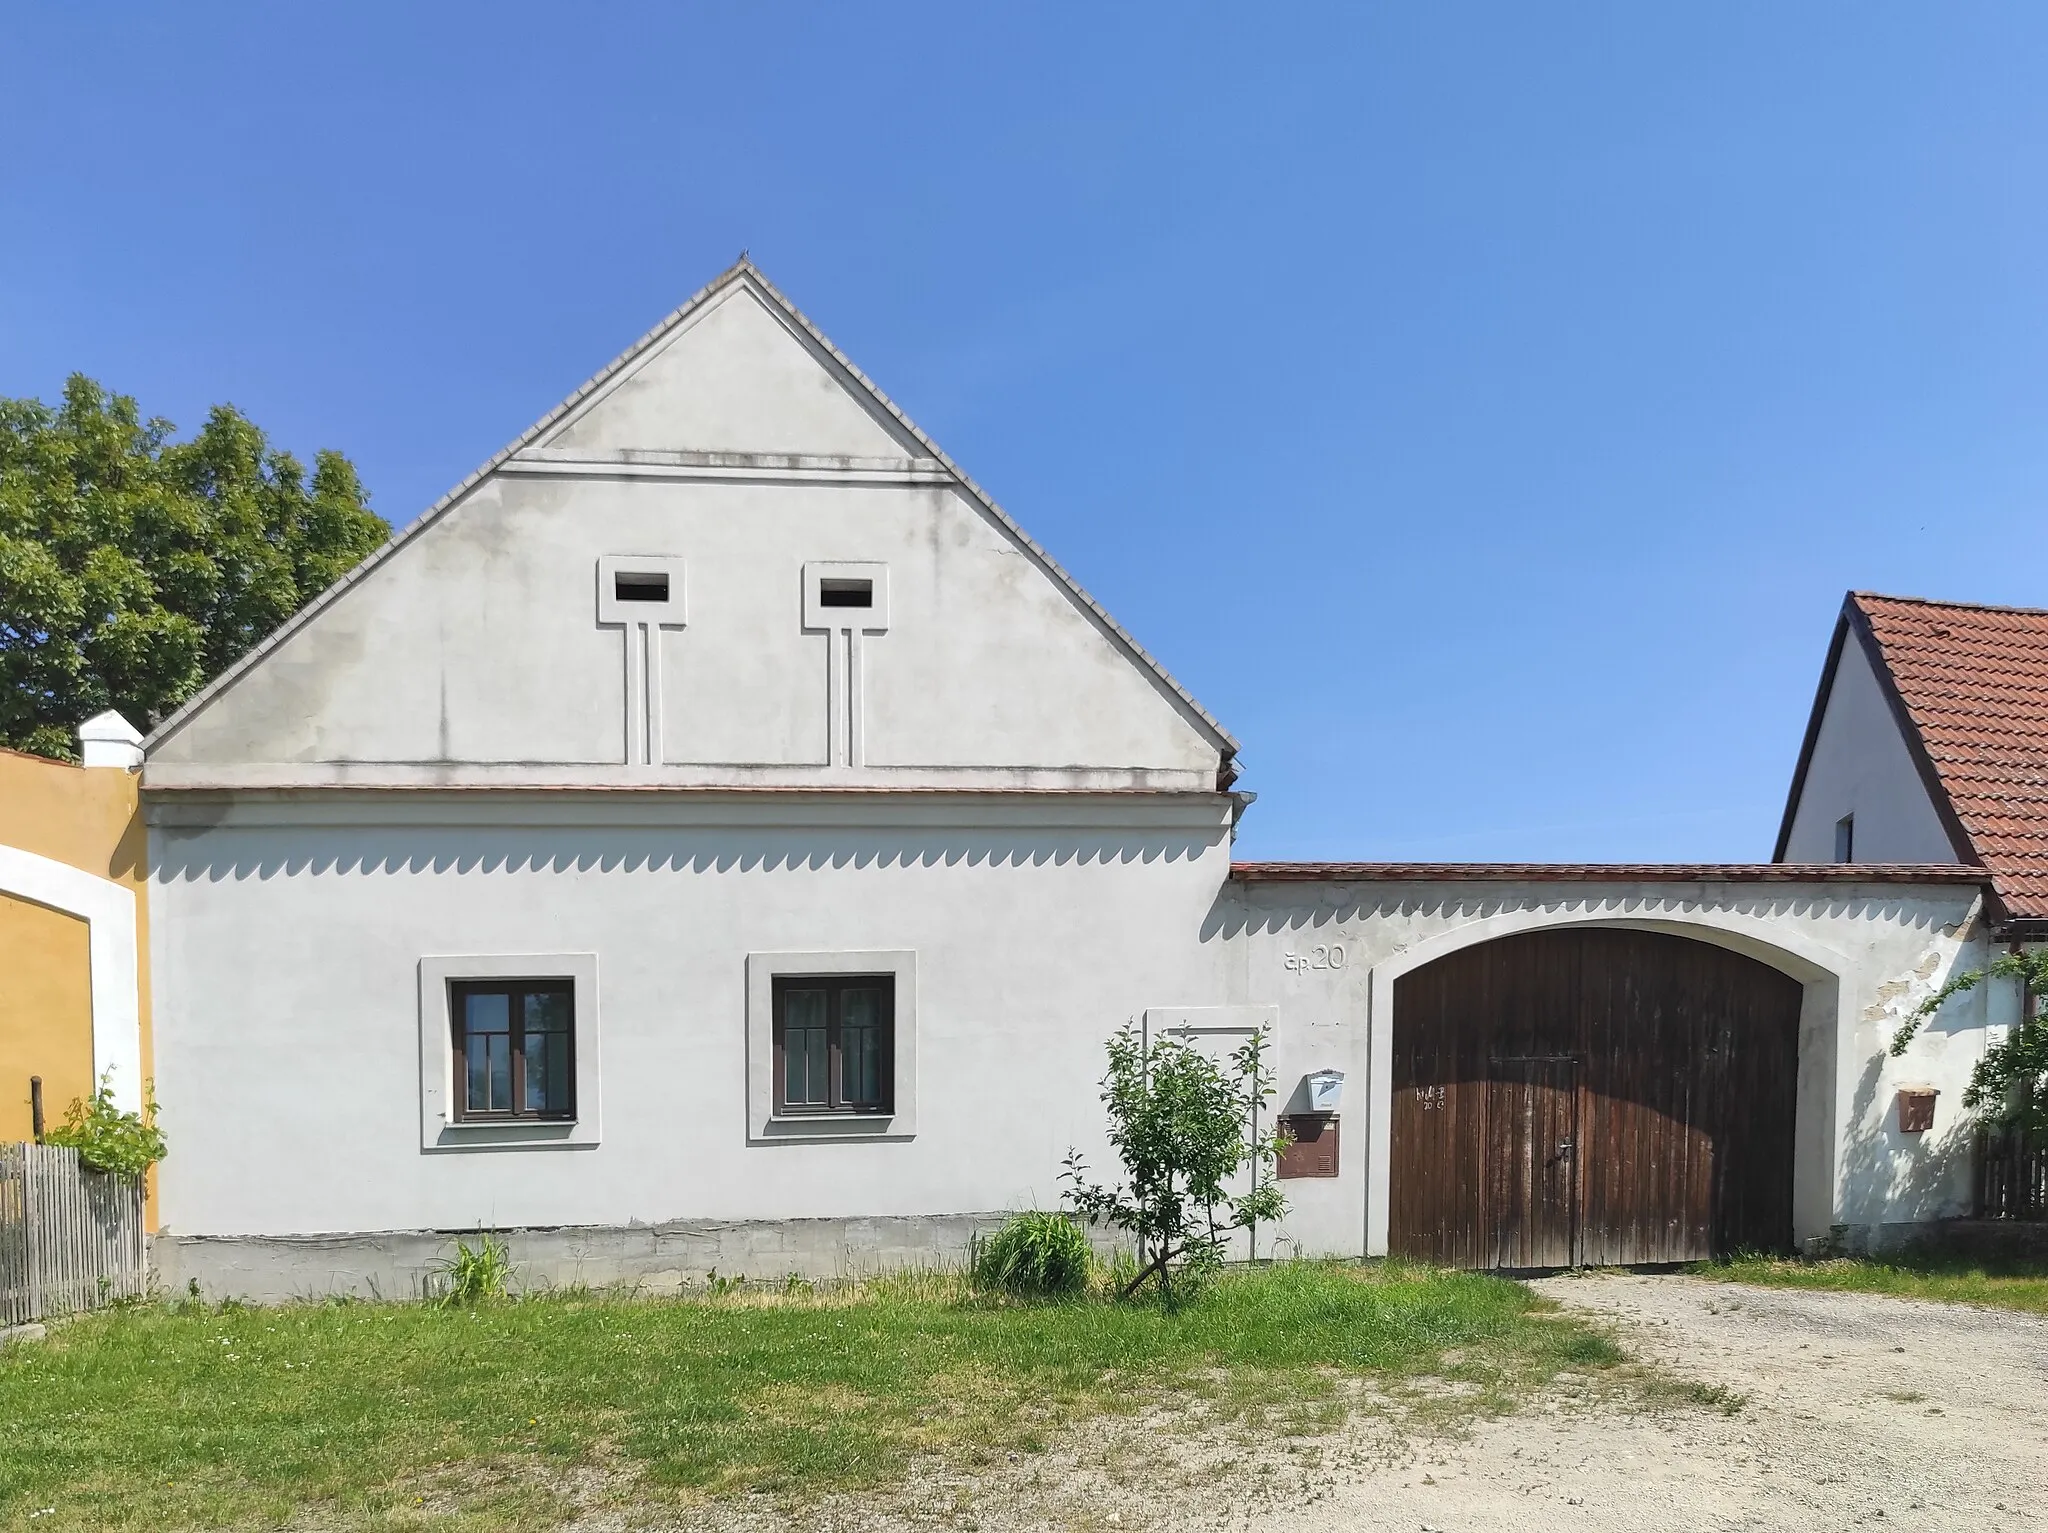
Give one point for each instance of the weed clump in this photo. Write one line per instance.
(1034, 1256)
(474, 1274)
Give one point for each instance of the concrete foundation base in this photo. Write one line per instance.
(1970, 1239)
(659, 1258)
(1985, 1240)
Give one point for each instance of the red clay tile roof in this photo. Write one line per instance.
(1974, 680)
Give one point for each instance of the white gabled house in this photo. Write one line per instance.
(717, 836)
(1928, 742)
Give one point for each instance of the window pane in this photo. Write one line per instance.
(487, 1050)
(547, 1015)
(535, 1046)
(863, 1066)
(558, 1073)
(499, 1046)
(861, 1046)
(805, 1080)
(477, 1081)
(547, 1011)
(487, 1011)
(820, 1068)
(803, 1008)
(861, 1008)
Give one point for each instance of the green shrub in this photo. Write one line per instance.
(1034, 1255)
(108, 1139)
(473, 1275)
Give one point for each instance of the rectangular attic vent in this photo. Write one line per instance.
(632, 587)
(846, 593)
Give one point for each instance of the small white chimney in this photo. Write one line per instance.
(108, 740)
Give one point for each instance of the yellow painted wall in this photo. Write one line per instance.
(45, 1012)
(89, 818)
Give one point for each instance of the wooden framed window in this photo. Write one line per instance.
(835, 1044)
(515, 1049)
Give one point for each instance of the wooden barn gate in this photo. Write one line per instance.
(1593, 1097)
(70, 1238)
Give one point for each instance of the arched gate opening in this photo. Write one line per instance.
(1592, 1096)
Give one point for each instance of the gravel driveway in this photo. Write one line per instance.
(1862, 1409)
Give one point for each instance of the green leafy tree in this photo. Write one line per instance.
(133, 569)
(2009, 1084)
(1183, 1127)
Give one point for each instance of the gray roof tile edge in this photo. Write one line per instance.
(742, 269)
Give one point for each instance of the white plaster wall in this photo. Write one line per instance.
(1861, 765)
(1867, 955)
(286, 955)
(290, 933)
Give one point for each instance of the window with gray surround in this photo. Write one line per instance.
(831, 1045)
(834, 1043)
(515, 1048)
(508, 1051)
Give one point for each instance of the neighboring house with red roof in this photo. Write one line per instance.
(1928, 743)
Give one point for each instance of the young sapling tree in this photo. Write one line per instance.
(1183, 1128)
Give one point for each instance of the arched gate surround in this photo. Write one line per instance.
(1813, 964)
(108, 909)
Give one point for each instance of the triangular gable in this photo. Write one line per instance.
(606, 408)
(1853, 627)
(735, 375)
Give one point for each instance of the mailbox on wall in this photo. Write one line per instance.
(1325, 1090)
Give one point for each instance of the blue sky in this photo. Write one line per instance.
(1481, 408)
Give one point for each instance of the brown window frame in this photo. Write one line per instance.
(459, 990)
(835, 987)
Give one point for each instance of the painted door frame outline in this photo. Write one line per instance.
(109, 912)
(1823, 1021)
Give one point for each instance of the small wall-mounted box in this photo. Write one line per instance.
(1916, 1109)
(1311, 1148)
(1325, 1090)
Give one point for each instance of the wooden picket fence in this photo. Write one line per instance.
(2012, 1175)
(70, 1238)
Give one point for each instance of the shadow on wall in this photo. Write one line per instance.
(1272, 908)
(184, 854)
(1889, 1177)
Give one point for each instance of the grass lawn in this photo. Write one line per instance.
(2007, 1285)
(404, 1416)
